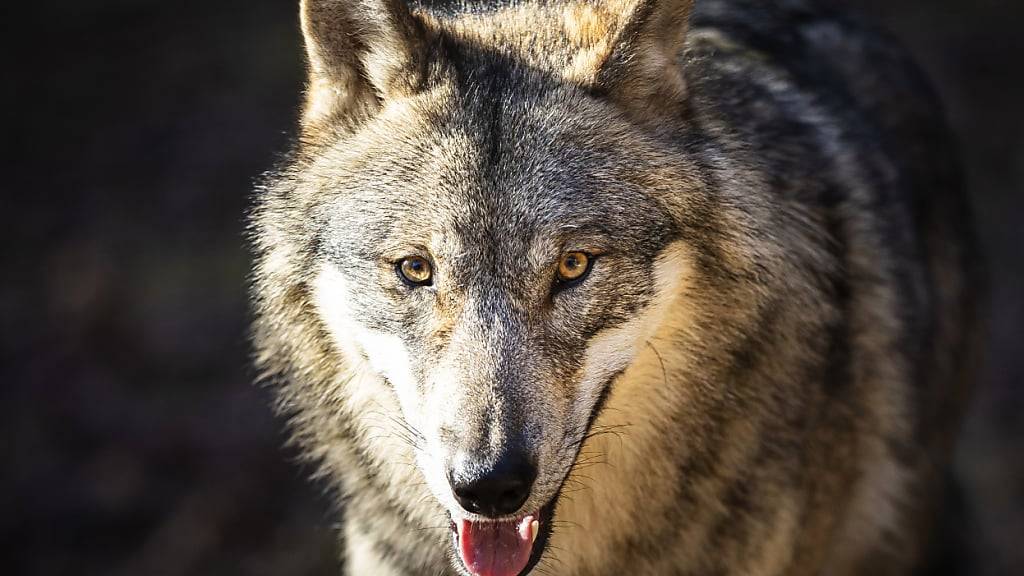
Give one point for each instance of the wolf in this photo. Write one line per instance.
(653, 287)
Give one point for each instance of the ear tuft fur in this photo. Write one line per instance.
(643, 69)
(360, 52)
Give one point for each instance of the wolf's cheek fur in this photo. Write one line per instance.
(612, 350)
(385, 354)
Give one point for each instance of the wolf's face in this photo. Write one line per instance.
(495, 268)
(498, 272)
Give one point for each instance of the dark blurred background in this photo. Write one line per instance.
(135, 442)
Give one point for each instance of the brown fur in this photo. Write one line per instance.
(780, 321)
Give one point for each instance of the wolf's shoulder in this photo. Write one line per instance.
(846, 60)
(800, 68)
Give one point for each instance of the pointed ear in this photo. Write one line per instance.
(643, 71)
(361, 52)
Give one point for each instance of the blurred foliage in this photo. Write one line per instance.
(135, 440)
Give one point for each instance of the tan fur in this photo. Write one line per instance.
(742, 374)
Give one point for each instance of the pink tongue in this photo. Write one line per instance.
(496, 548)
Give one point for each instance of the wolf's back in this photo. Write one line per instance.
(863, 119)
(853, 136)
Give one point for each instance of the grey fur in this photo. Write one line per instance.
(790, 406)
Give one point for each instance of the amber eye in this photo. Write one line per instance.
(416, 270)
(573, 266)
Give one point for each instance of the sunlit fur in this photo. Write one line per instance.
(763, 369)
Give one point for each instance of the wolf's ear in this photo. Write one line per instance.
(643, 69)
(361, 52)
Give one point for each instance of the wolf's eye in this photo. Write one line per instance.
(416, 271)
(573, 266)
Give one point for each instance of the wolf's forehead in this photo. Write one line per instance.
(508, 172)
(487, 167)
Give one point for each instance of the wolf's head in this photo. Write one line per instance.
(488, 218)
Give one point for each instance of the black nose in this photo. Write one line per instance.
(492, 491)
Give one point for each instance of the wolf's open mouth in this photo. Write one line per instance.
(497, 548)
(502, 548)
